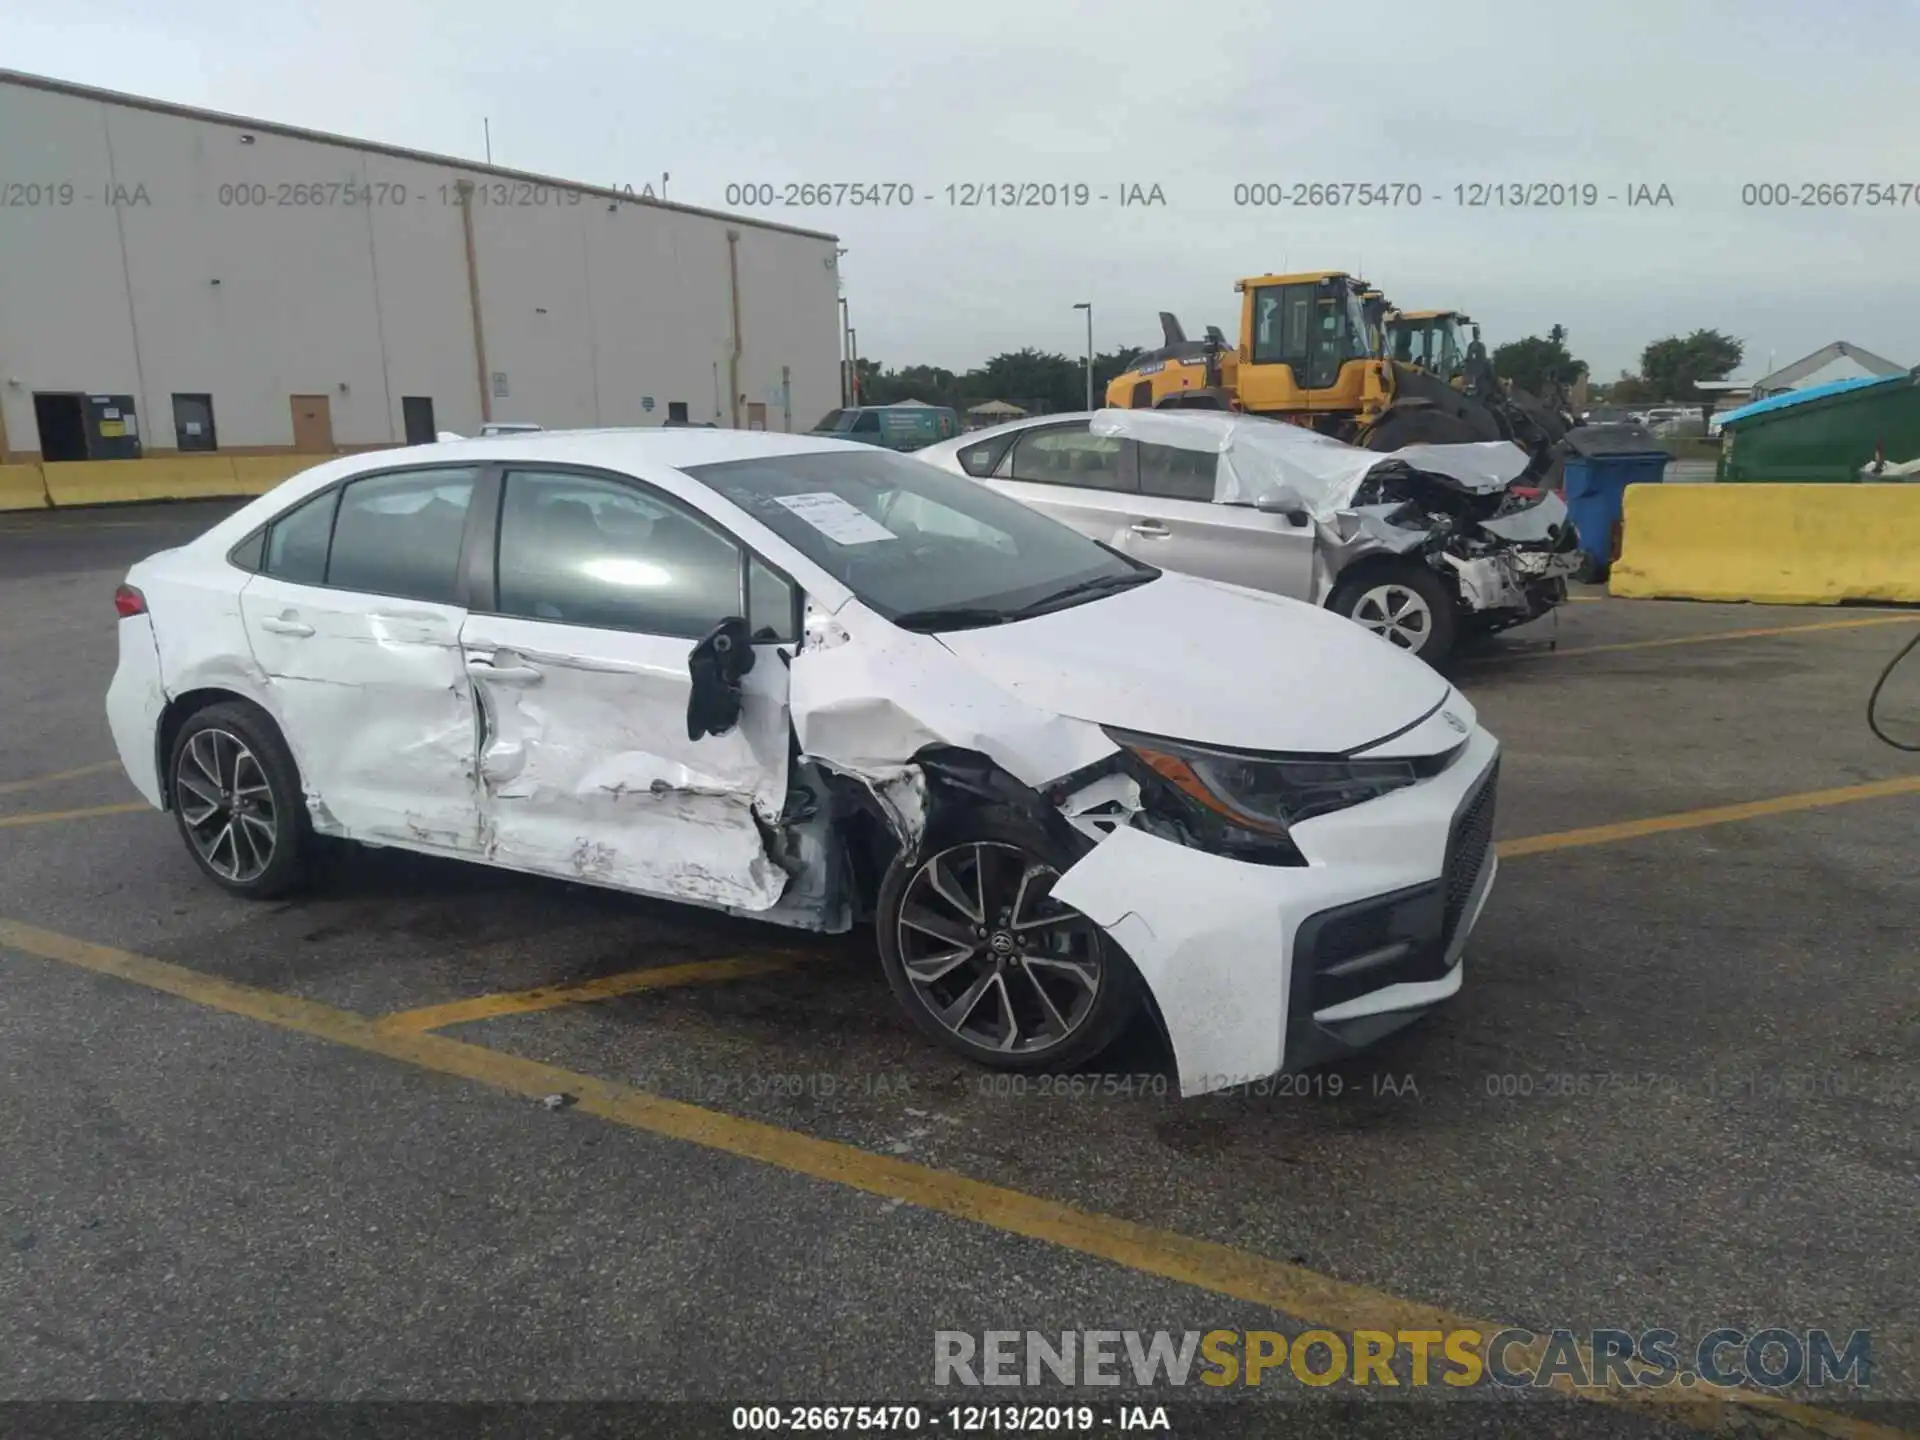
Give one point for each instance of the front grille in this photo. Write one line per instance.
(1467, 847)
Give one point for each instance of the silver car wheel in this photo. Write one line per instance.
(226, 805)
(1397, 614)
(994, 959)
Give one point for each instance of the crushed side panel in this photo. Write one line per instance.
(587, 772)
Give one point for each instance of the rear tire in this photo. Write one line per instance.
(1405, 605)
(238, 801)
(986, 963)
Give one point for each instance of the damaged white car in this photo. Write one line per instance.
(1424, 545)
(822, 684)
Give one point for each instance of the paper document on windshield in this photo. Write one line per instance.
(835, 518)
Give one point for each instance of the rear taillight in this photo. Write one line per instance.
(129, 601)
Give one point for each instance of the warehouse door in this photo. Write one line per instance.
(193, 423)
(312, 424)
(416, 412)
(62, 422)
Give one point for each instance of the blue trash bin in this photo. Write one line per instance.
(1605, 459)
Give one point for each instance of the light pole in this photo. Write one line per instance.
(846, 365)
(1087, 305)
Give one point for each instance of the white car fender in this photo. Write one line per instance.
(1215, 955)
(866, 699)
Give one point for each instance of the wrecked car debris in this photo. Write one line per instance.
(1503, 556)
(1420, 545)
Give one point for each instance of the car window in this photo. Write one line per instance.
(297, 543)
(584, 551)
(980, 458)
(908, 537)
(400, 534)
(1068, 455)
(866, 422)
(770, 605)
(1177, 474)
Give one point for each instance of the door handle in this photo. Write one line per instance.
(282, 625)
(503, 674)
(1152, 529)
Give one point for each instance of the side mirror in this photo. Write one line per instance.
(1284, 500)
(724, 654)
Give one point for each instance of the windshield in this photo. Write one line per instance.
(829, 421)
(1359, 331)
(923, 547)
(1452, 348)
(1410, 342)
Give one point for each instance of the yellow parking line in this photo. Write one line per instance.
(49, 817)
(552, 997)
(1711, 636)
(1715, 815)
(14, 786)
(1206, 1265)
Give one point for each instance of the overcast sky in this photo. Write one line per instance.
(1701, 96)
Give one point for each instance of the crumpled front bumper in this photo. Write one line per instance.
(1255, 969)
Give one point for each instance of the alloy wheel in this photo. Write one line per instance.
(995, 959)
(226, 805)
(1397, 614)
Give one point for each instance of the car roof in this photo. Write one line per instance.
(672, 447)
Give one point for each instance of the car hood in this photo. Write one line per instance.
(1191, 659)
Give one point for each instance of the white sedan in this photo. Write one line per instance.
(822, 684)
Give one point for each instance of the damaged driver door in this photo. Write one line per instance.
(601, 588)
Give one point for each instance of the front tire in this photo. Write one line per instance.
(1405, 605)
(238, 801)
(985, 962)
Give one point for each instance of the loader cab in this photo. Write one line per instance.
(1434, 340)
(1376, 307)
(1307, 350)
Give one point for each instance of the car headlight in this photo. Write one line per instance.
(1266, 795)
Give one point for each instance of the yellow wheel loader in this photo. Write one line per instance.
(1313, 350)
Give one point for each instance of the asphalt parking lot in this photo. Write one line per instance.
(302, 1150)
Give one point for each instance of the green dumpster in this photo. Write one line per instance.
(1830, 432)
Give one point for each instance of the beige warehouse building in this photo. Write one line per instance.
(178, 280)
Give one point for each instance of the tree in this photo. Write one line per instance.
(1630, 389)
(1036, 380)
(1673, 367)
(1536, 365)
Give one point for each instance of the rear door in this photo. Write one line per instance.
(577, 647)
(355, 614)
(1176, 525)
(1077, 477)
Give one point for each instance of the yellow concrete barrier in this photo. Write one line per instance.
(165, 477)
(1771, 544)
(102, 482)
(22, 487)
(257, 474)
